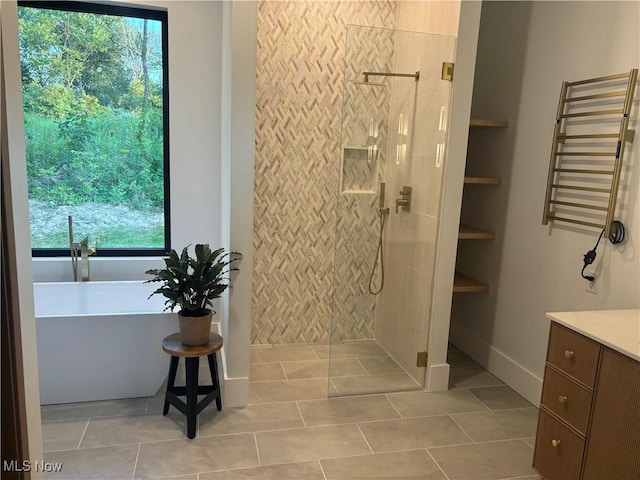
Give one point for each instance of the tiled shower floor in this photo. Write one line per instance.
(480, 429)
(356, 367)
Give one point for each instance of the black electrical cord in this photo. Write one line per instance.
(616, 236)
(617, 233)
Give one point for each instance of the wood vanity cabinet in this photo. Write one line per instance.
(589, 420)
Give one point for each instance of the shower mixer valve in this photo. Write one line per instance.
(404, 201)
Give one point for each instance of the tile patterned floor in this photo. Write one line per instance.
(478, 430)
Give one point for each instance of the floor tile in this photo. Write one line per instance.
(485, 461)
(264, 372)
(321, 351)
(288, 390)
(122, 430)
(387, 382)
(106, 463)
(344, 367)
(106, 408)
(62, 435)
(314, 443)
(460, 359)
(306, 369)
(288, 471)
(283, 354)
(413, 464)
(366, 348)
(498, 425)
(531, 441)
(498, 398)
(331, 411)
(376, 365)
(421, 432)
(468, 377)
(423, 404)
(254, 418)
(203, 454)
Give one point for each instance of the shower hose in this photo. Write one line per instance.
(372, 289)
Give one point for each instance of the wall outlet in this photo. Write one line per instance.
(592, 286)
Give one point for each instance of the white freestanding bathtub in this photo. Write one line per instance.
(100, 340)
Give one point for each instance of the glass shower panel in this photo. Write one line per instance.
(395, 114)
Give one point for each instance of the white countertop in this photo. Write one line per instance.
(617, 329)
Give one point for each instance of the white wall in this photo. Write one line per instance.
(525, 51)
(195, 56)
(17, 192)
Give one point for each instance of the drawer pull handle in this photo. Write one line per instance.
(562, 399)
(555, 443)
(568, 354)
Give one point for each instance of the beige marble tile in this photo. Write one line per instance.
(344, 367)
(306, 369)
(288, 390)
(331, 411)
(62, 435)
(264, 372)
(104, 463)
(498, 425)
(287, 471)
(313, 443)
(106, 408)
(254, 418)
(377, 365)
(282, 354)
(485, 461)
(422, 432)
(387, 382)
(203, 454)
(103, 432)
(499, 398)
(423, 404)
(469, 377)
(413, 464)
(530, 441)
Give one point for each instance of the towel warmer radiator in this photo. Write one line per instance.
(592, 126)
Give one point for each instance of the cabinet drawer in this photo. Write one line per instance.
(558, 452)
(566, 399)
(574, 354)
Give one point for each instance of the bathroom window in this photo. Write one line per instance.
(95, 95)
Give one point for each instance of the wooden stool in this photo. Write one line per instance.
(174, 347)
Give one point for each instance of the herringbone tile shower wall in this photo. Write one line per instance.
(300, 79)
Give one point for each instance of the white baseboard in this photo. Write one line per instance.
(437, 378)
(499, 364)
(235, 390)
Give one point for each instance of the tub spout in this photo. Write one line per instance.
(82, 248)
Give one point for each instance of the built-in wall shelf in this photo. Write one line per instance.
(464, 284)
(484, 123)
(467, 232)
(483, 180)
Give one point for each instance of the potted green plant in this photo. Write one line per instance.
(191, 283)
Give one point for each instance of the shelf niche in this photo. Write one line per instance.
(464, 284)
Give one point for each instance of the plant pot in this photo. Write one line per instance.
(195, 330)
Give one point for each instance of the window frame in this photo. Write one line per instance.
(149, 13)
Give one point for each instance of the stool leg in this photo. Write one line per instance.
(173, 368)
(213, 369)
(192, 394)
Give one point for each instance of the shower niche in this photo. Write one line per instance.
(359, 170)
